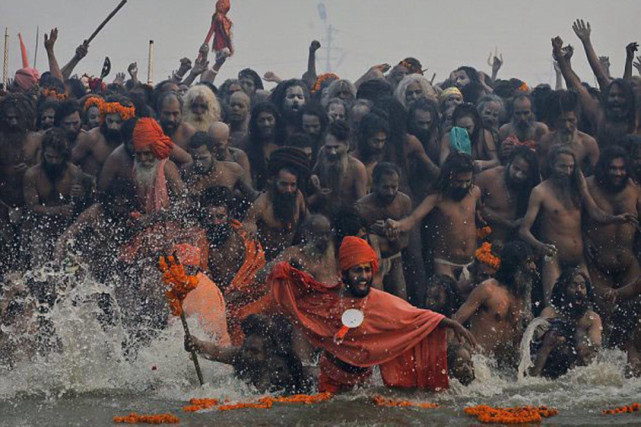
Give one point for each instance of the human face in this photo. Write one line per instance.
(564, 165)
(266, 123)
(345, 95)
(170, 115)
(146, 157)
(220, 147)
(233, 88)
(617, 102)
(358, 280)
(436, 298)
(294, 99)
(52, 156)
(413, 92)
(460, 185)
(93, 117)
(617, 175)
(71, 125)
(461, 79)
(387, 188)
(286, 182)
(12, 119)
(311, 125)
(334, 149)
(466, 123)
(253, 349)
(522, 111)
(577, 289)
(218, 215)
(47, 117)
(566, 125)
(113, 122)
(248, 85)
(423, 120)
(397, 74)
(519, 170)
(199, 107)
(336, 111)
(452, 101)
(239, 109)
(203, 159)
(490, 114)
(376, 142)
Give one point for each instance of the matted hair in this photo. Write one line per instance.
(213, 106)
(426, 87)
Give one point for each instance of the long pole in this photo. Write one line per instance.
(150, 64)
(35, 55)
(107, 19)
(5, 64)
(194, 357)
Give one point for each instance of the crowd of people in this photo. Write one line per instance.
(448, 214)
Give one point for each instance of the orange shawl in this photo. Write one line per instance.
(403, 340)
(207, 303)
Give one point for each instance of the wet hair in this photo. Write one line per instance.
(374, 89)
(57, 139)
(223, 91)
(456, 163)
(76, 87)
(513, 255)
(605, 159)
(384, 169)
(426, 87)
(628, 94)
(346, 221)
(631, 143)
(216, 196)
(338, 101)
(562, 101)
(213, 106)
(449, 285)
(254, 151)
(248, 72)
(558, 297)
(280, 92)
(313, 109)
(66, 109)
(199, 139)
(469, 110)
(397, 121)
(487, 99)
(425, 104)
(164, 96)
(300, 140)
(370, 124)
(472, 92)
(338, 86)
(533, 177)
(44, 107)
(472, 73)
(539, 102)
(339, 129)
(127, 129)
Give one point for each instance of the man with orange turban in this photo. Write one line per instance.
(155, 176)
(360, 327)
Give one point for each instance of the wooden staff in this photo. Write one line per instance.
(150, 64)
(5, 64)
(107, 19)
(35, 55)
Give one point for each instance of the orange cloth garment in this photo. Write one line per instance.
(157, 197)
(355, 251)
(403, 340)
(148, 132)
(206, 302)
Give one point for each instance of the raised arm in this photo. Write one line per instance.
(310, 75)
(475, 301)
(630, 49)
(50, 41)
(81, 52)
(582, 30)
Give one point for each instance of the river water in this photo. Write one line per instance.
(90, 379)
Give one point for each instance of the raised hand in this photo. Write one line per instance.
(82, 50)
(132, 69)
(582, 30)
(50, 41)
(200, 66)
(270, 76)
(557, 48)
(120, 78)
(631, 48)
(185, 65)
(314, 46)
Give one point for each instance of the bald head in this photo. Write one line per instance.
(219, 132)
(317, 231)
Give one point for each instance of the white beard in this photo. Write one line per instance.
(145, 177)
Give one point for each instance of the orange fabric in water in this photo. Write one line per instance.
(207, 303)
(355, 251)
(149, 133)
(403, 340)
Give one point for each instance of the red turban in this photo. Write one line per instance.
(187, 254)
(148, 132)
(355, 251)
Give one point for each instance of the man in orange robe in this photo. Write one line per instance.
(409, 344)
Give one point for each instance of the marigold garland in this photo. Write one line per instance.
(318, 84)
(516, 415)
(178, 282)
(198, 404)
(263, 403)
(483, 232)
(134, 418)
(381, 401)
(486, 256)
(52, 92)
(105, 108)
(626, 409)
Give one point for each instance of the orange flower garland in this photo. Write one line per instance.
(622, 409)
(178, 282)
(46, 92)
(263, 403)
(307, 399)
(198, 404)
(517, 415)
(483, 232)
(486, 256)
(381, 401)
(318, 84)
(105, 108)
(134, 418)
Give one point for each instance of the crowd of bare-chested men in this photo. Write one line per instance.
(485, 199)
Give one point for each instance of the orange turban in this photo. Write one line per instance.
(187, 254)
(148, 132)
(355, 251)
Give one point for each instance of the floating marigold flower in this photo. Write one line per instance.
(626, 409)
(381, 401)
(134, 418)
(483, 232)
(485, 255)
(516, 415)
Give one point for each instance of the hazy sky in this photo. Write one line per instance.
(274, 35)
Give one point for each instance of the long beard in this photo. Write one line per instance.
(113, 137)
(199, 122)
(331, 174)
(614, 188)
(457, 194)
(524, 131)
(218, 234)
(54, 172)
(284, 207)
(145, 177)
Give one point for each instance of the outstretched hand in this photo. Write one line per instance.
(631, 48)
(582, 30)
(557, 48)
(50, 41)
